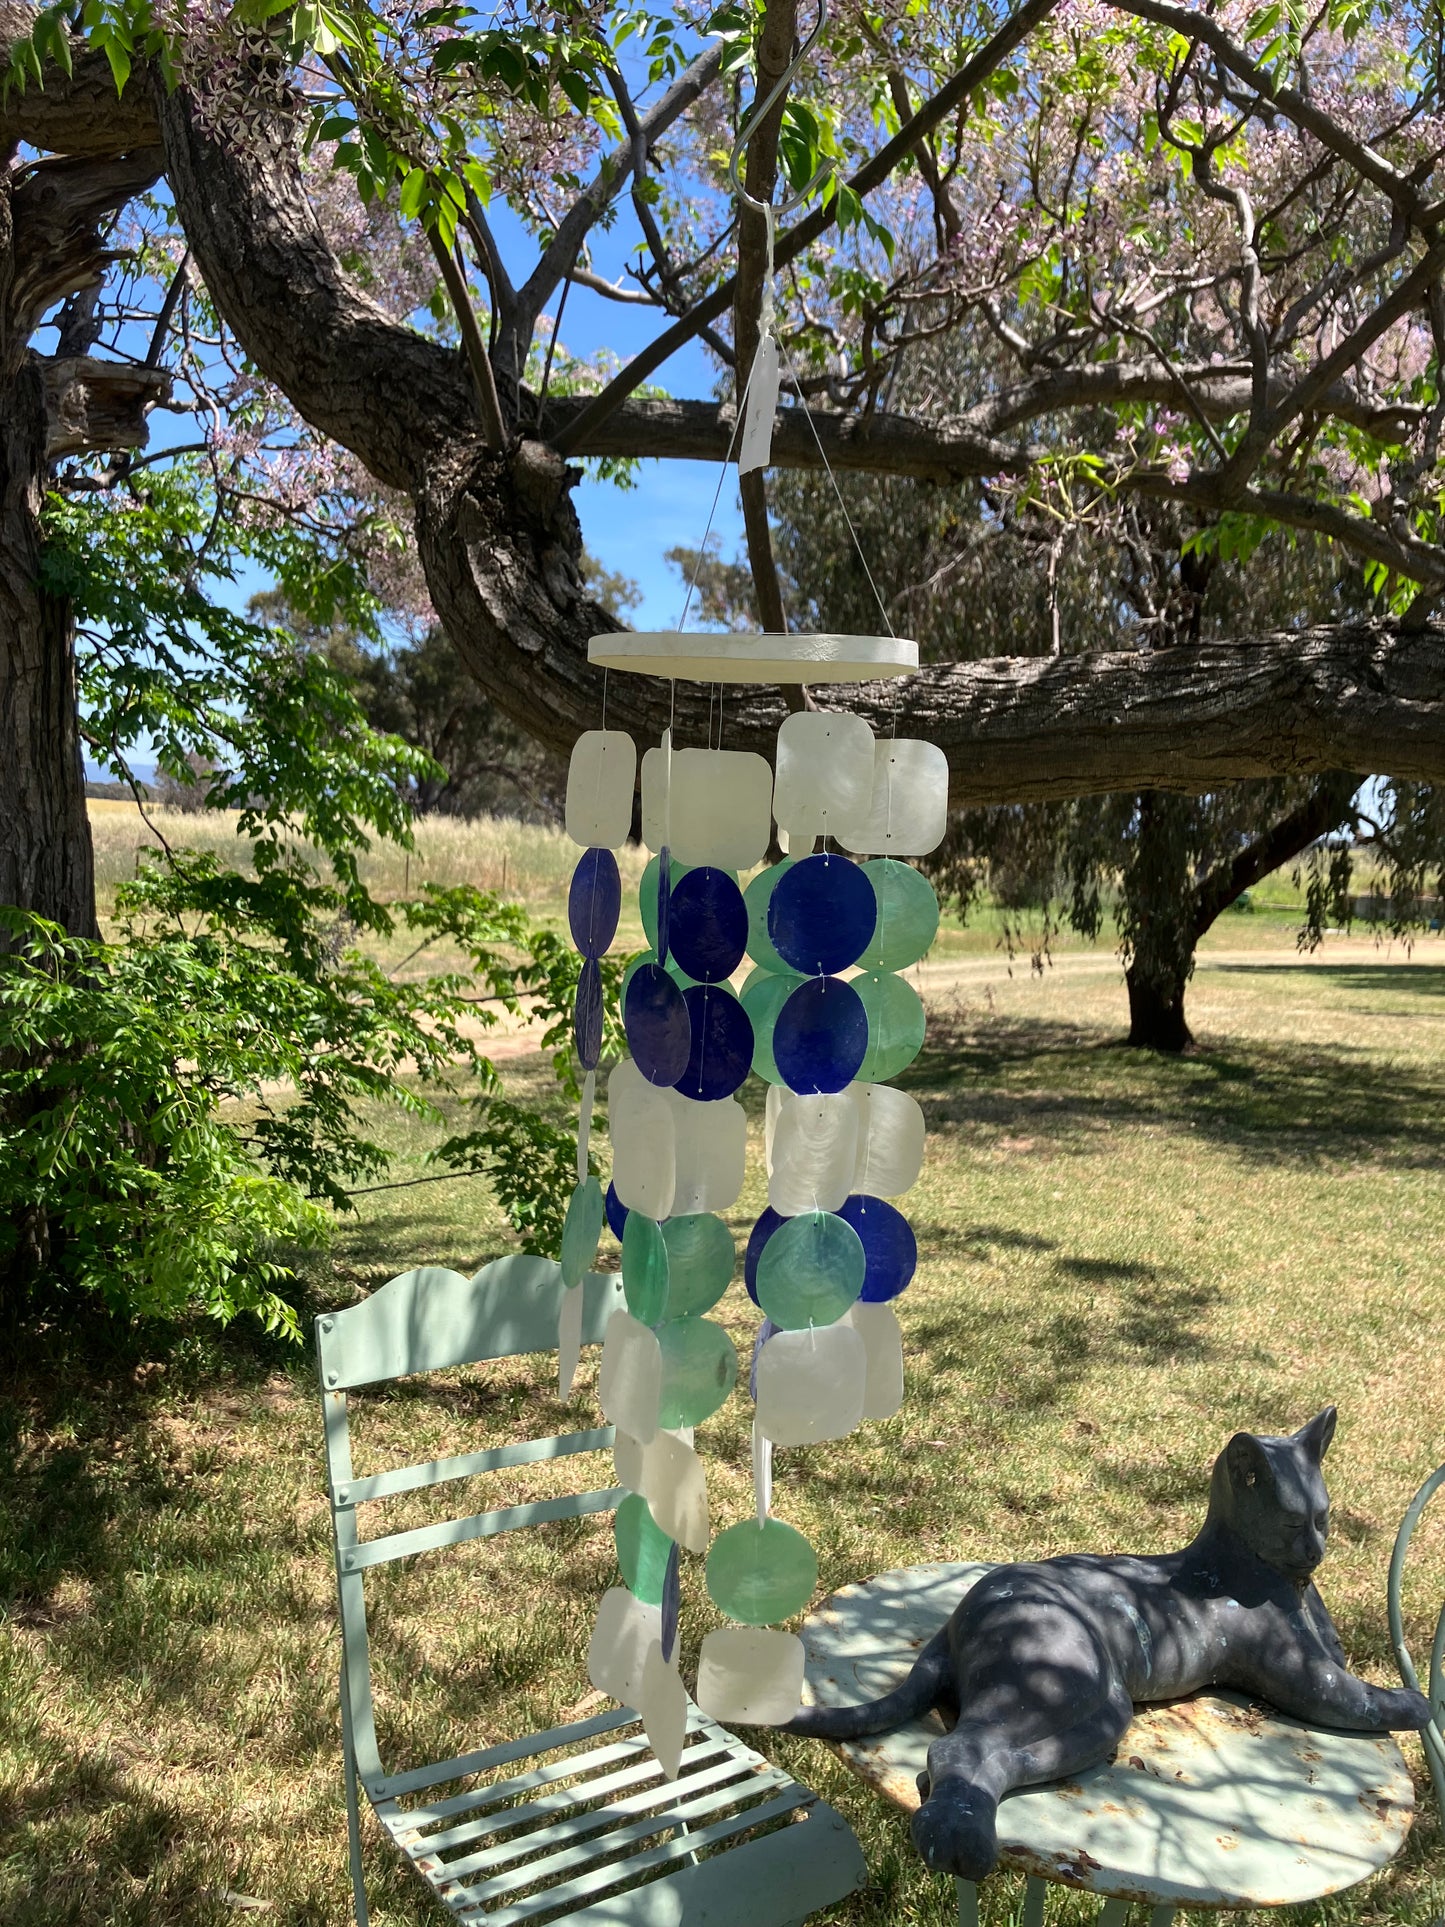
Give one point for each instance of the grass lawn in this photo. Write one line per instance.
(1123, 1261)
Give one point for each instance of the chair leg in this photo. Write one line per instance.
(353, 1811)
(967, 1903)
(1113, 1913)
(1162, 1916)
(1034, 1891)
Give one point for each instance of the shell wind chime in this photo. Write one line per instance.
(825, 1018)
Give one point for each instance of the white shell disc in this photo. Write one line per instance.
(815, 1147)
(643, 1136)
(711, 1154)
(624, 1630)
(752, 1675)
(907, 813)
(811, 1384)
(882, 1335)
(662, 1704)
(601, 778)
(629, 1382)
(891, 1139)
(824, 778)
(721, 807)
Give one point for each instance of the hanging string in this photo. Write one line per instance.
(828, 469)
(716, 498)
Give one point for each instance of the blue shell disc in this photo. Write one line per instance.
(616, 1213)
(822, 914)
(655, 1016)
(890, 1250)
(821, 1036)
(647, 891)
(766, 1225)
(594, 902)
(671, 1603)
(722, 1044)
(588, 1026)
(665, 882)
(708, 924)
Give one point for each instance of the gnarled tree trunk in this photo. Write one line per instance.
(46, 862)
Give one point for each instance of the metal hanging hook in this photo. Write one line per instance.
(758, 114)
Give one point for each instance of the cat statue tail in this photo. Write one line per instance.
(918, 1695)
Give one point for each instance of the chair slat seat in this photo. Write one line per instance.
(575, 1824)
(506, 1754)
(640, 1769)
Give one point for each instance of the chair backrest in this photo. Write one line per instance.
(1433, 1738)
(430, 1320)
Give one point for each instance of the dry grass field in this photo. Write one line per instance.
(1122, 1261)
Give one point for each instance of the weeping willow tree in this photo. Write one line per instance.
(975, 575)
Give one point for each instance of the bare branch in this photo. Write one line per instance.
(489, 405)
(612, 291)
(798, 238)
(562, 250)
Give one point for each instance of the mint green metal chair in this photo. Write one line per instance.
(577, 1823)
(1433, 1738)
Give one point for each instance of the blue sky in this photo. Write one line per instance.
(631, 530)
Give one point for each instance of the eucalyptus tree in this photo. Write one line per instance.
(1206, 242)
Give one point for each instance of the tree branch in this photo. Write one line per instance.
(760, 175)
(872, 174)
(76, 113)
(572, 230)
(397, 401)
(489, 405)
(1325, 809)
(701, 431)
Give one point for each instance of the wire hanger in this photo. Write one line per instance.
(758, 114)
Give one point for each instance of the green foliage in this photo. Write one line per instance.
(115, 1166)
(178, 1105)
(530, 1158)
(531, 1162)
(183, 1105)
(281, 729)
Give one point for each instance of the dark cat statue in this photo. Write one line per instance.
(1041, 1665)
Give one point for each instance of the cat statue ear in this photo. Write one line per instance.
(1245, 1457)
(1315, 1437)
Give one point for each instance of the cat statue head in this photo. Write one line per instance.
(1270, 1492)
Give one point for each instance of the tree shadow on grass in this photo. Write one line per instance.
(1269, 1102)
(1416, 980)
(85, 1843)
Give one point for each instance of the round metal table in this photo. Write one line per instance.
(1209, 1801)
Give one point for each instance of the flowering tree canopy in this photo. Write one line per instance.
(1183, 255)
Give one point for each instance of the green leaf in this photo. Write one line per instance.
(574, 86)
(414, 192)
